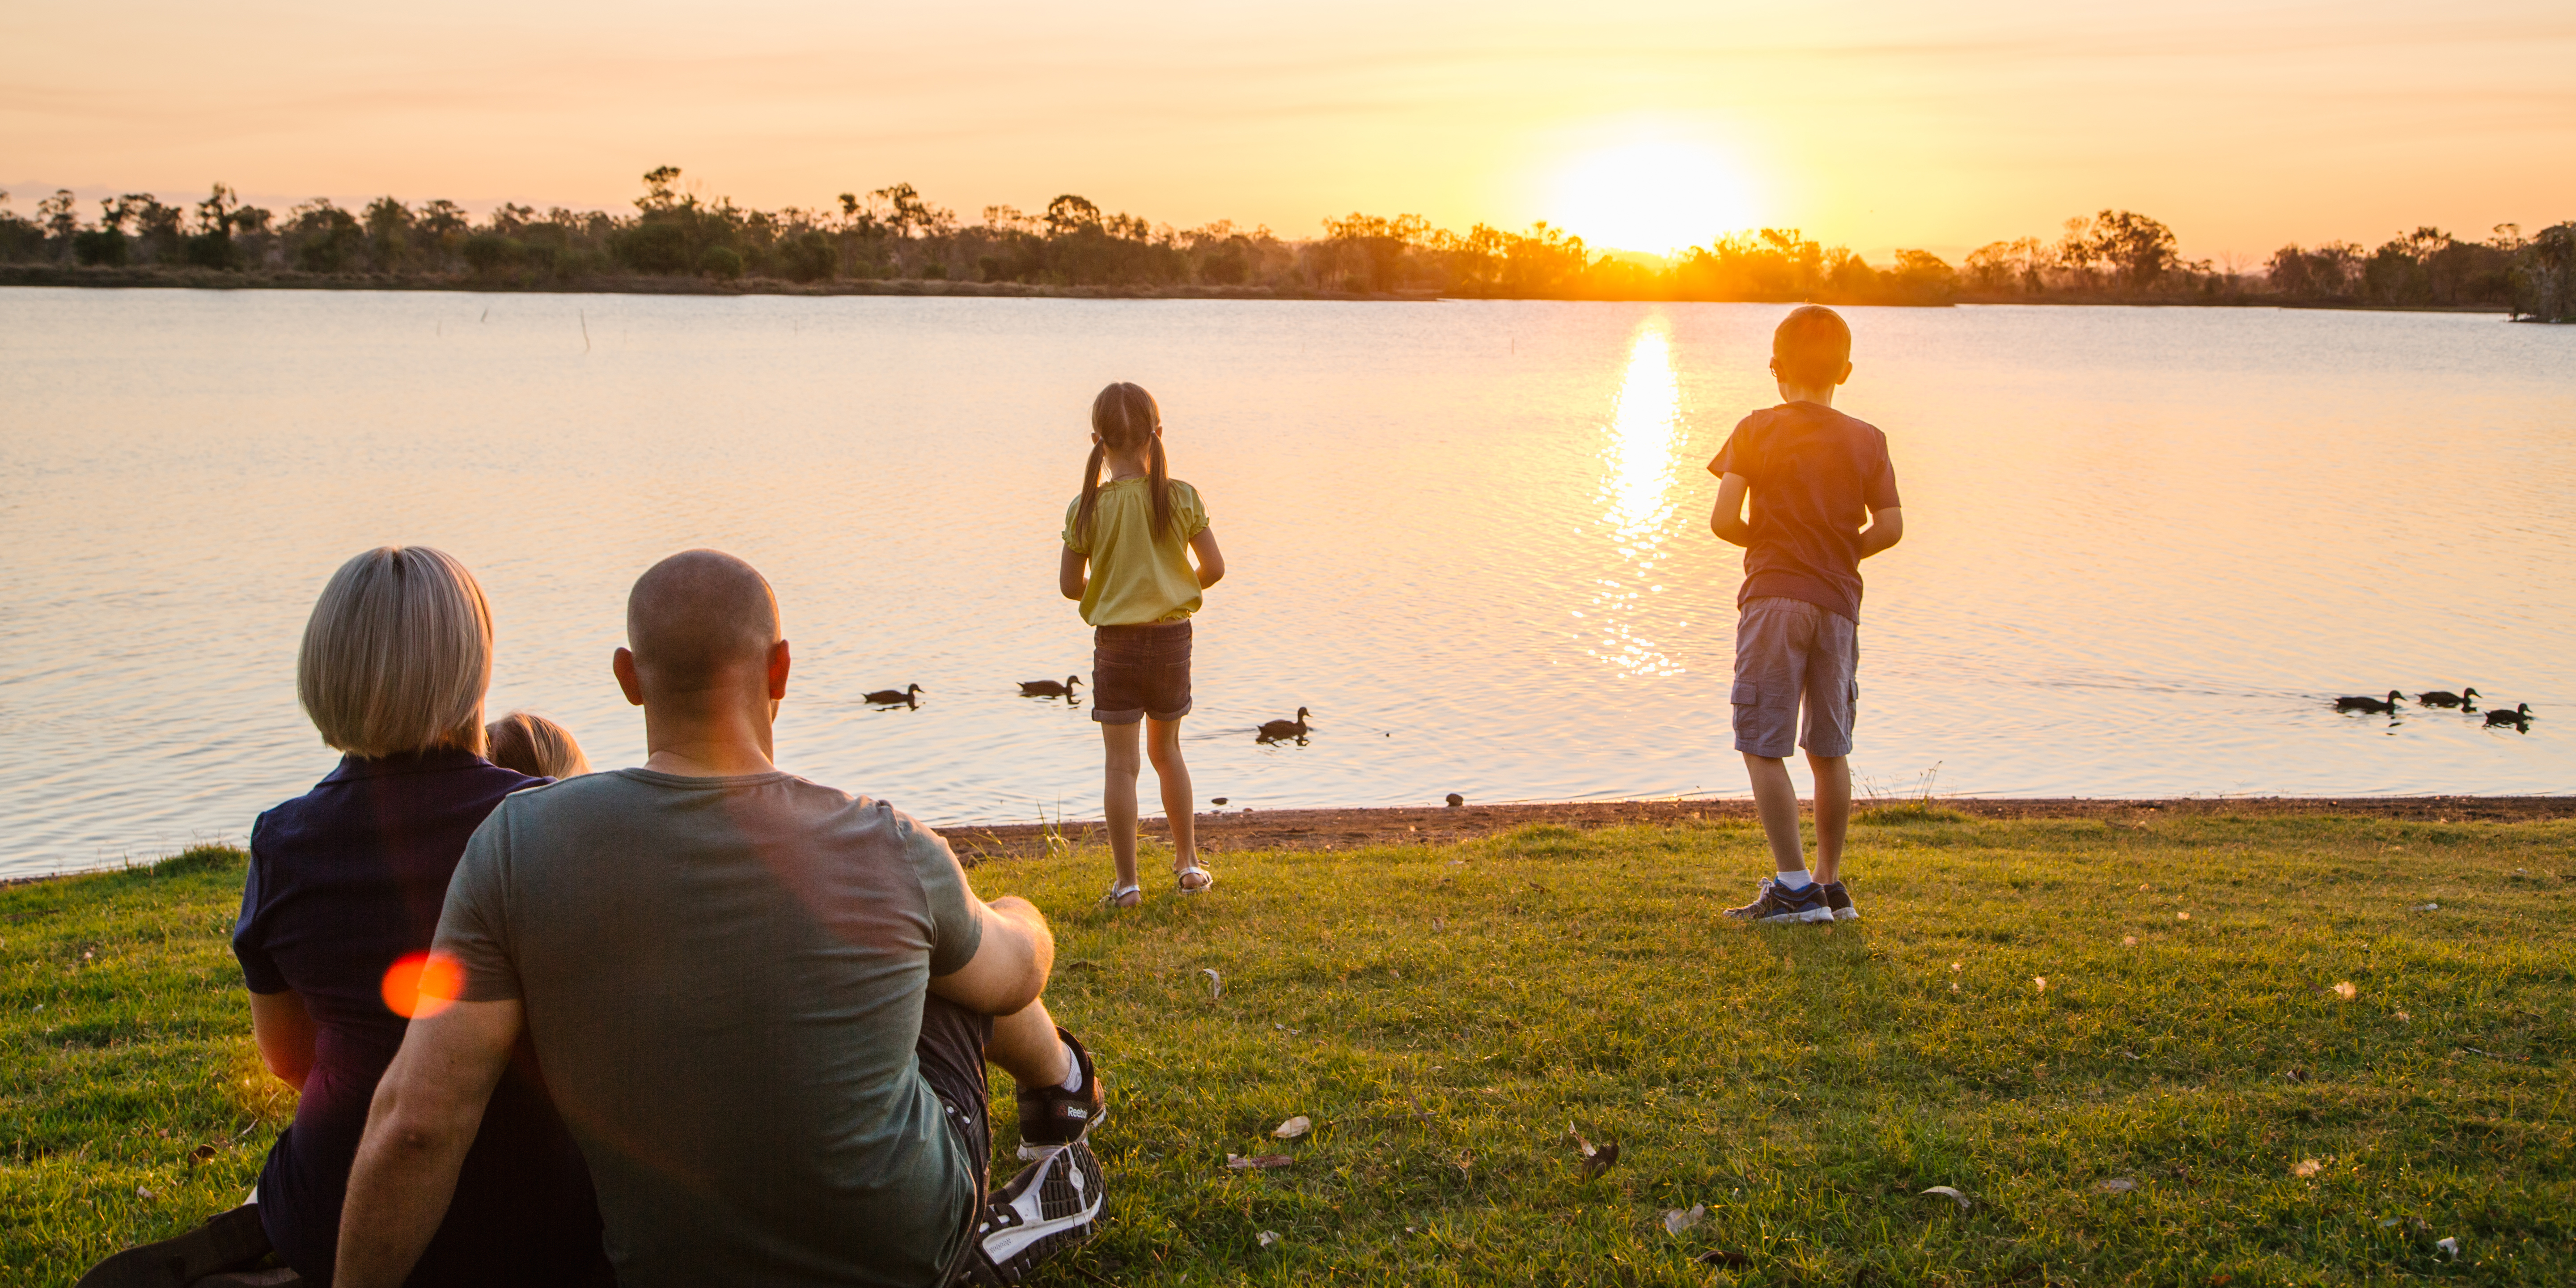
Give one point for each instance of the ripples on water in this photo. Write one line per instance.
(2144, 546)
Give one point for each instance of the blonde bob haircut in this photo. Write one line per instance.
(398, 655)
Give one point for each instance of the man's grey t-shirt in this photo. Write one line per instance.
(724, 980)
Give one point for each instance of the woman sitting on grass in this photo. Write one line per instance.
(345, 887)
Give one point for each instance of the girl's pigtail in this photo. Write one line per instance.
(1090, 492)
(1160, 480)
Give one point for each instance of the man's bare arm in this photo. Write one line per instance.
(425, 1114)
(1886, 528)
(1727, 521)
(1011, 963)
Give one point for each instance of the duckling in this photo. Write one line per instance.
(1049, 688)
(2446, 698)
(1273, 730)
(2519, 717)
(902, 697)
(2371, 704)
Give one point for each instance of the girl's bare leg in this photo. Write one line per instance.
(1180, 803)
(1118, 799)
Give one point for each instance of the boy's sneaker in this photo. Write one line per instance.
(1053, 1204)
(1839, 900)
(1779, 903)
(1052, 1116)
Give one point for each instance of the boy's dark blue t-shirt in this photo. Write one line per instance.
(1816, 474)
(344, 881)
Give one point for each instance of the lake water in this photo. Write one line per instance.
(2143, 545)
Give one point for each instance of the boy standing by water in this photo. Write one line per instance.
(1824, 498)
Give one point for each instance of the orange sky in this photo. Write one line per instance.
(1867, 122)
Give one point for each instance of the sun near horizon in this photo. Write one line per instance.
(1647, 125)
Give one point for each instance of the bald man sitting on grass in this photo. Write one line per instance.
(763, 1006)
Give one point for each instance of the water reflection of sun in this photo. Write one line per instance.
(1638, 451)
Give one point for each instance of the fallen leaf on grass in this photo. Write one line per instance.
(2404, 1016)
(2041, 981)
(2428, 907)
(2182, 916)
(1595, 1160)
(1951, 1194)
(142, 1193)
(1293, 1128)
(1723, 1257)
(2306, 1167)
(201, 1153)
(2451, 1246)
(2115, 1185)
(2128, 941)
(1954, 986)
(2296, 1075)
(1216, 982)
(2345, 990)
(1267, 1237)
(1954, 968)
(1261, 1162)
(1677, 1220)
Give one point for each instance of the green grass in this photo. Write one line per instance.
(1443, 1013)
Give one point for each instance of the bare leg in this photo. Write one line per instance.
(1833, 813)
(1775, 798)
(1118, 798)
(1024, 1045)
(1180, 803)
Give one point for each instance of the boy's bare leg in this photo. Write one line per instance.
(1024, 1045)
(1775, 798)
(1118, 797)
(1180, 802)
(1833, 813)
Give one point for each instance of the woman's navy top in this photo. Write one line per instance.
(346, 880)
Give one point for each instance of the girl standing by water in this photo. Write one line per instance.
(1124, 558)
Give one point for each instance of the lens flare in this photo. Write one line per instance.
(422, 985)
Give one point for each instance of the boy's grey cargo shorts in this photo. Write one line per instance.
(1787, 650)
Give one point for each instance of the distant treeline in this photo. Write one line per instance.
(895, 234)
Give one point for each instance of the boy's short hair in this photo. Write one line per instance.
(1811, 346)
(534, 746)
(397, 655)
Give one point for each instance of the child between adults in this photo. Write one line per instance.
(535, 746)
(1125, 559)
(1823, 498)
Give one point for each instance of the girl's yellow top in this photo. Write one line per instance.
(1138, 576)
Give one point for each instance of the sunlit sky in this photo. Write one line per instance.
(1868, 122)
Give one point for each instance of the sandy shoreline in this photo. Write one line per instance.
(1222, 830)
(1288, 829)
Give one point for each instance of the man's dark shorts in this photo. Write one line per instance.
(1139, 671)
(1786, 651)
(951, 1052)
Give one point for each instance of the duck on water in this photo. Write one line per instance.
(907, 696)
(2380, 705)
(1049, 688)
(1280, 730)
(2446, 698)
(2519, 717)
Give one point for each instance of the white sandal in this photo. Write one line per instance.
(1182, 877)
(1118, 892)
